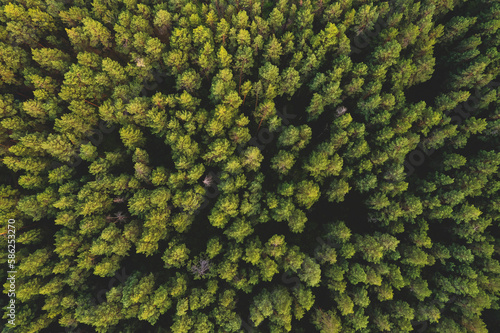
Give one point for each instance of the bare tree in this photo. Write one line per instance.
(202, 267)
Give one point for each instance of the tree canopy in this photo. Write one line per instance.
(265, 166)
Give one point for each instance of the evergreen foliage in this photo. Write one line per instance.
(291, 165)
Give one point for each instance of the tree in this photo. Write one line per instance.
(319, 165)
(274, 50)
(371, 249)
(338, 190)
(268, 268)
(297, 221)
(283, 162)
(327, 322)
(163, 22)
(175, 255)
(224, 57)
(276, 246)
(357, 274)
(251, 159)
(239, 230)
(310, 272)
(51, 59)
(307, 193)
(456, 27)
(37, 23)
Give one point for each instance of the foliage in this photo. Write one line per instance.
(291, 165)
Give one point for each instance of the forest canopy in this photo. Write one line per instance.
(250, 166)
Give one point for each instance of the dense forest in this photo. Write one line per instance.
(250, 166)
